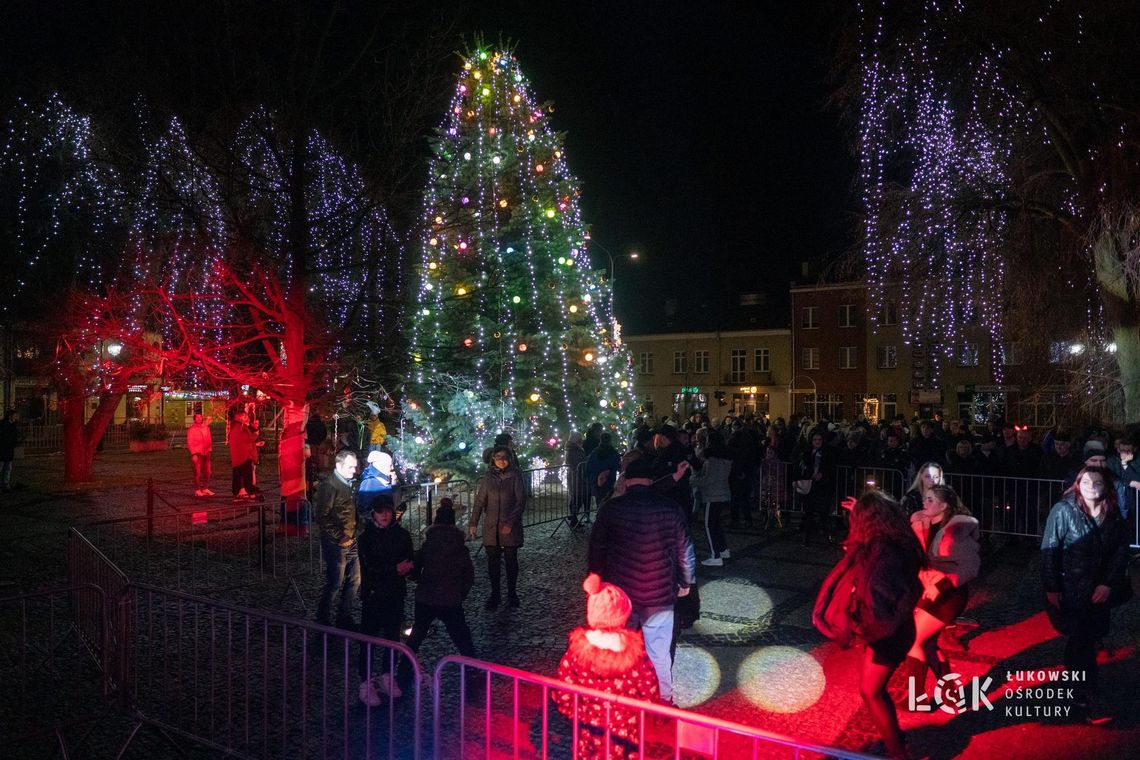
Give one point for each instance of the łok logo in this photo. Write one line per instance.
(951, 695)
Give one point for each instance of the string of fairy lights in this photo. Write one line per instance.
(169, 215)
(931, 163)
(507, 296)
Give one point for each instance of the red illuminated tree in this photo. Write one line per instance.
(250, 328)
(104, 344)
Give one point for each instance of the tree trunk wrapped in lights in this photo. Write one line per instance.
(508, 306)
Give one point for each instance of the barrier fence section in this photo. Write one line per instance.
(99, 621)
(254, 684)
(50, 672)
(1003, 505)
(498, 711)
(1009, 506)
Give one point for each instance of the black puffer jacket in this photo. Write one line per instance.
(500, 500)
(641, 544)
(444, 572)
(1077, 555)
(381, 550)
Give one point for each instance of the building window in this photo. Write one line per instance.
(762, 360)
(647, 403)
(737, 358)
(701, 362)
(817, 405)
(889, 314)
(811, 358)
(1010, 353)
(846, 315)
(966, 354)
(1042, 409)
(809, 317)
(680, 362)
(888, 357)
(847, 356)
(754, 403)
(646, 361)
(889, 406)
(1064, 351)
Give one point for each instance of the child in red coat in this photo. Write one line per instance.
(608, 657)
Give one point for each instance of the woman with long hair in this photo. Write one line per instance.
(1084, 564)
(949, 534)
(500, 500)
(925, 478)
(889, 558)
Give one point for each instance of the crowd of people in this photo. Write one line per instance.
(912, 560)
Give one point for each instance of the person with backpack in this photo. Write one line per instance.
(950, 536)
(869, 598)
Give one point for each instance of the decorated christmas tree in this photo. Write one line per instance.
(513, 331)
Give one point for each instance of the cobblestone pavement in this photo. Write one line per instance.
(753, 657)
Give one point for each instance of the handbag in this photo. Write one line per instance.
(803, 487)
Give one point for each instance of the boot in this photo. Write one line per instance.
(942, 664)
(915, 668)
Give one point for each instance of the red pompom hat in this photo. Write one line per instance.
(608, 607)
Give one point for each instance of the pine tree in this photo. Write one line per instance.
(513, 332)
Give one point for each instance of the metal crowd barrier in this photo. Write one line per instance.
(254, 684)
(246, 683)
(512, 714)
(55, 691)
(1010, 506)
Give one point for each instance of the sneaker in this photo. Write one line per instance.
(207, 492)
(726, 554)
(513, 601)
(368, 694)
(492, 601)
(241, 494)
(713, 562)
(386, 684)
(199, 493)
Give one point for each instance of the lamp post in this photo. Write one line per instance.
(633, 256)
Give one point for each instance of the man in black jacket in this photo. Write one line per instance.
(385, 560)
(641, 544)
(336, 518)
(668, 455)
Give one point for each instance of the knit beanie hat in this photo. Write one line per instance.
(1093, 448)
(608, 606)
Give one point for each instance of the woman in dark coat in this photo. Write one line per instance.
(818, 466)
(1084, 562)
(501, 499)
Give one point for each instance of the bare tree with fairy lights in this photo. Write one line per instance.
(999, 146)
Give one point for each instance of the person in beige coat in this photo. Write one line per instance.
(500, 501)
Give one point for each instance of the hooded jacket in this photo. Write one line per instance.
(374, 483)
(500, 500)
(444, 573)
(712, 480)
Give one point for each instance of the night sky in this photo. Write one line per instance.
(702, 139)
